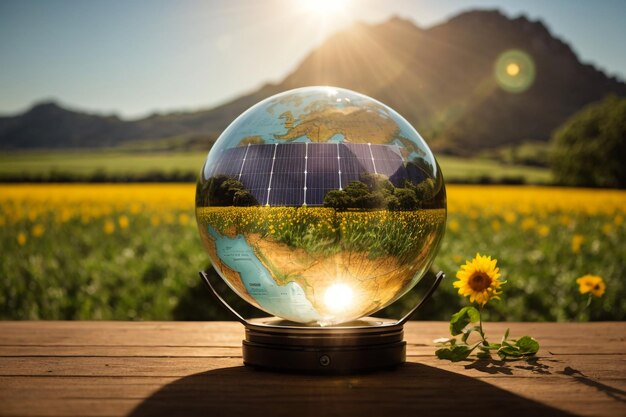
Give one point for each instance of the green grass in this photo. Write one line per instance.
(110, 161)
(472, 169)
(129, 162)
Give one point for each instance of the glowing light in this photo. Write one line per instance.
(325, 7)
(338, 297)
(512, 69)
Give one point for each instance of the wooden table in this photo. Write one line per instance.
(182, 368)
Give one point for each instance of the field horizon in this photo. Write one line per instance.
(137, 165)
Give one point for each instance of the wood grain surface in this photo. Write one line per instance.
(182, 368)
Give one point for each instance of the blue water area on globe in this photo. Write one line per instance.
(287, 301)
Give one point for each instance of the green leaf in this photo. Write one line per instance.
(462, 318)
(483, 354)
(527, 345)
(506, 335)
(467, 331)
(454, 353)
(521, 348)
(509, 352)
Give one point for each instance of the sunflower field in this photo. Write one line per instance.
(87, 251)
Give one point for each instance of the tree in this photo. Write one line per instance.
(244, 198)
(337, 199)
(590, 147)
(407, 199)
(222, 190)
(380, 194)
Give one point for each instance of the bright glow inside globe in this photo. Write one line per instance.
(320, 205)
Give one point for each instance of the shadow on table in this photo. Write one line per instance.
(412, 389)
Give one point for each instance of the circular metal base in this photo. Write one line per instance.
(364, 345)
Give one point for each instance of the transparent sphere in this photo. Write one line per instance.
(320, 205)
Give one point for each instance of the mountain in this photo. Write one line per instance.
(441, 79)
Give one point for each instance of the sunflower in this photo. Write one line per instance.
(591, 283)
(479, 279)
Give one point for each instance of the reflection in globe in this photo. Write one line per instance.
(320, 205)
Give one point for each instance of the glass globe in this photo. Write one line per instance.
(320, 205)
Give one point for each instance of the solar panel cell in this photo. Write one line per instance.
(322, 150)
(291, 150)
(322, 165)
(291, 165)
(287, 180)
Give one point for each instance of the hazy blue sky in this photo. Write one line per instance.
(135, 57)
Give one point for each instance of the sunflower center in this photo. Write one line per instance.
(480, 281)
(596, 287)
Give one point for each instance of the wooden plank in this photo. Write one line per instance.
(604, 366)
(570, 337)
(171, 368)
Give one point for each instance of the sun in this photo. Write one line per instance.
(325, 7)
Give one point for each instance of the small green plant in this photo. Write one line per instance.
(479, 279)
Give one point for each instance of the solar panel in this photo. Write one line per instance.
(286, 196)
(298, 173)
(288, 180)
(292, 150)
(255, 181)
(289, 165)
(352, 150)
(322, 150)
(322, 165)
(260, 151)
(414, 173)
(322, 180)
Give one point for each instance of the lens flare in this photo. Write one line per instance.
(338, 297)
(514, 71)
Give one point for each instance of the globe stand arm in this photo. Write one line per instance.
(205, 278)
(440, 276)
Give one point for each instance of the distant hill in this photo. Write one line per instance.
(440, 79)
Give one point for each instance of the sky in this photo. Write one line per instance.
(137, 57)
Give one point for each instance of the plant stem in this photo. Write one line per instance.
(480, 325)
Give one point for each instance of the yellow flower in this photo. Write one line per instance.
(591, 283)
(155, 220)
(109, 227)
(510, 217)
(183, 218)
(543, 231)
(37, 230)
(479, 279)
(528, 223)
(123, 222)
(496, 226)
(453, 225)
(21, 238)
(577, 241)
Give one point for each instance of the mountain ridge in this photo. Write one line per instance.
(440, 79)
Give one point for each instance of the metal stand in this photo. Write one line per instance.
(367, 344)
